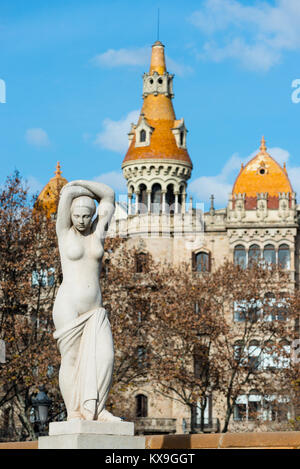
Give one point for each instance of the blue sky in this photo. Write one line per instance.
(73, 68)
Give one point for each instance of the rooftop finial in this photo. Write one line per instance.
(212, 206)
(263, 146)
(58, 170)
(158, 24)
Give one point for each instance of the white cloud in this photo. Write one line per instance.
(114, 179)
(114, 135)
(123, 57)
(221, 184)
(37, 137)
(255, 35)
(139, 56)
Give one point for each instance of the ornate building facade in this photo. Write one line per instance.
(261, 219)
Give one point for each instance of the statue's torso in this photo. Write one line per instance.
(81, 266)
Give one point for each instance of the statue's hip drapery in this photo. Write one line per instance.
(90, 336)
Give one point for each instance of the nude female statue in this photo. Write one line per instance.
(82, 327)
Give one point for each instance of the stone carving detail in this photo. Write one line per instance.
(284, 209)
(239, 208)
(158, 84)
(262, 206)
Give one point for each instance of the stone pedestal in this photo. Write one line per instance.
(86, 434)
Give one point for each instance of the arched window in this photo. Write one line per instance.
(170, 199)
(180, 200)
(270, 355)
(248, 407)
(269, 306)
(240, 256)
(156, 198)
(253, 254)
(254, 355)
(254, 404)
(201, 361)
(141, 406)
(143, 199)
(141, 261)
(201, 262)
(142, 135)
(284, 258)
(269, 254)
(141, 356)
(240, 408)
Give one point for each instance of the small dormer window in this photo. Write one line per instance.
(181, 138)
(143, 132)
(179, 133)
(143, 135)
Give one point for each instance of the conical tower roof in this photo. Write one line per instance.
(158, 113)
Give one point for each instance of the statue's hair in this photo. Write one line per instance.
(84, 201)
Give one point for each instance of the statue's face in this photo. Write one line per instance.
(81, 218)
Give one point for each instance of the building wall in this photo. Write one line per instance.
(174, 239)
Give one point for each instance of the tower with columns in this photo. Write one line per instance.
(157, 165)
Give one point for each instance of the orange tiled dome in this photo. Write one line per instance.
(262, 174)
(159, 114)
(49, 196)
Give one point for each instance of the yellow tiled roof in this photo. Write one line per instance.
(163, 144)
(262, 174)
(49, 196)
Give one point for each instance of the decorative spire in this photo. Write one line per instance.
(263, 147)
(58, 170)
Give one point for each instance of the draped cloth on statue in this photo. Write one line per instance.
(90, 337)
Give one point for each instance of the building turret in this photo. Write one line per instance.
(157, 165)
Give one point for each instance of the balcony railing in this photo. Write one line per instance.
(210, 426)
(150, 426)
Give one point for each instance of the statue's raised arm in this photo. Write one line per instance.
(106, 198)
(64, 212)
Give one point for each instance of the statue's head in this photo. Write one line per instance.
(83, 209)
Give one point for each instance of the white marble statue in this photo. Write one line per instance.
(82, 328)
